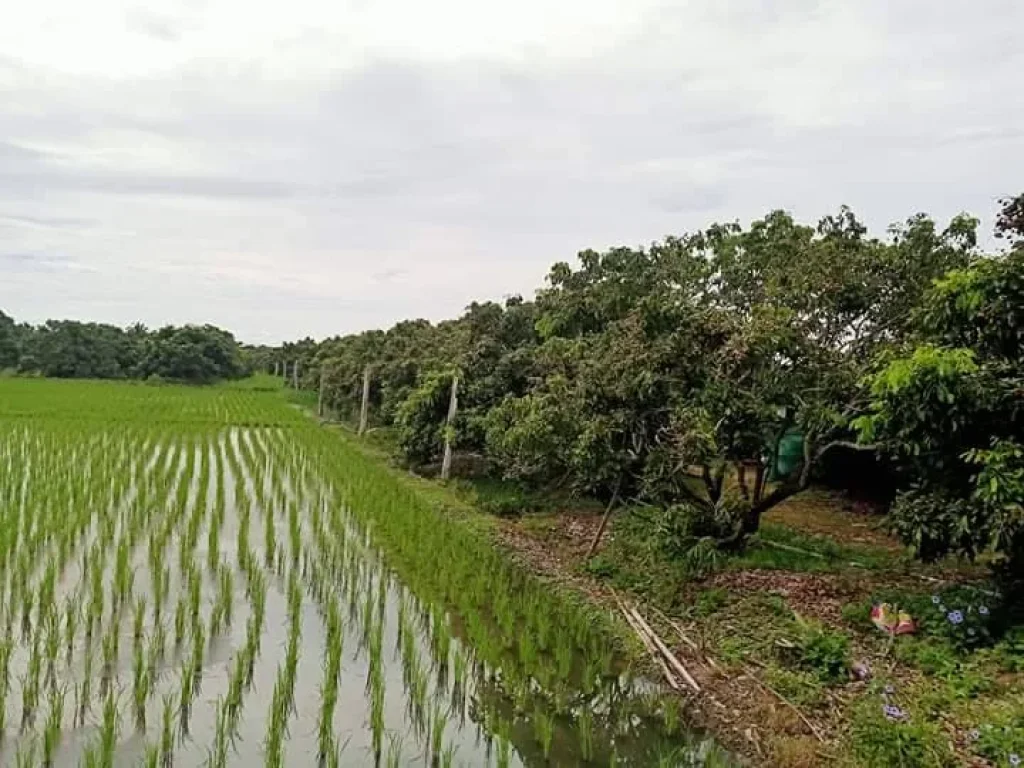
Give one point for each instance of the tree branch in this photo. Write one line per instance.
(844, 444)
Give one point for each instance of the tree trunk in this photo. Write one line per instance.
(791, 486)
(741, 478)
(809, 458)
(453, 406)
(713, 484)
(295, 375)
(759, 481)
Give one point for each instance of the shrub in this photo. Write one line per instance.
(882, 734)
(693, 534)
(505, 500)
(857, 614)
(710, 601)
(601, 567)
(1011, 650)
(800, 687)
(1003, 742)
(962, 617)
(819, 650)
(420, 418)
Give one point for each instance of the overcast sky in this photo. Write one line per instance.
(314, 167)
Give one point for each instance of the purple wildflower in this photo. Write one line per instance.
(892, 712)
(983, 610)
(936, 599)
(955, 617)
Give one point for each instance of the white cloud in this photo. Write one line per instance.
(318, 167)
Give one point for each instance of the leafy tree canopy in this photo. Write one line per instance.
(72, 349)
(949, 410)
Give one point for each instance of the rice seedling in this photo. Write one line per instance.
(198, 651)
(114, 516)
(5, 665)
(377, 726)
(25, 757)
(438, 723)
(671, 715)
(86, 688)
(504, 756)
(30, 687)
(585, 728)
(544, 730)
(71, 614)
(394, 756)
(279, 708)
(167, 731)
(329, 686)
(213, 546)
(218, 756)
(226, 594)
(180, 617)
(186, 692)
(448, 756)
(142, 683)
(52, 730)
(109, 730)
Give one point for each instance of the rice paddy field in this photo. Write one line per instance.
(205, 576)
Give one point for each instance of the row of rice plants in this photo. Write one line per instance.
(142, 552)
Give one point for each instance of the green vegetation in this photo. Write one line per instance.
(73, 350)
(683, 376)
(149, 536)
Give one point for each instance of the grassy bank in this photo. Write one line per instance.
(793, 671)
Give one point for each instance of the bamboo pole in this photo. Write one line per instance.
(669, 656)
(320, 396)
(453, 407)
(604, 524)
(364, 408)
(669, 677)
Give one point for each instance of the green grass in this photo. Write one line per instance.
(776, 547)
(260, 382)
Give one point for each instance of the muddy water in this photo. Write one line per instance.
(439, 701)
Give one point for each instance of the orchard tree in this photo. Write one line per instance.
(192, 353)
(950, 413)
(10, 349)
(669, 371)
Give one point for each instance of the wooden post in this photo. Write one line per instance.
(604, 521)
(453, 407)
(320, 396)
(277, 364)
(295, 375)
(364, 408)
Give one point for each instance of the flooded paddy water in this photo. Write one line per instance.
(242, 587)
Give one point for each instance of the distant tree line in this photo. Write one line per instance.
(71, 349)
(671, 374)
